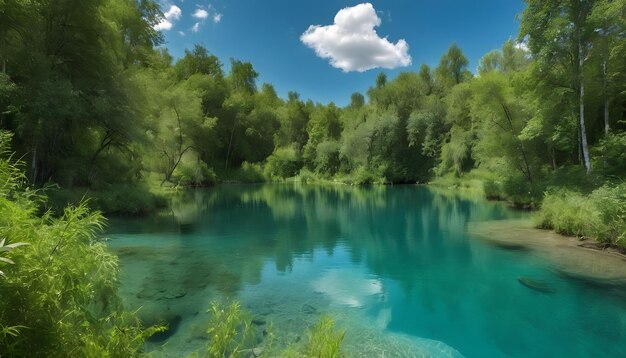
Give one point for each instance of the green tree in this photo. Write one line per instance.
(452, 68)
(559, 35)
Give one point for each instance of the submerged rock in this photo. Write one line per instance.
(308, 309)
(509, 246)
(256, 352)
(258, 321)
(536, 285)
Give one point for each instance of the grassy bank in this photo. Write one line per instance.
(600, 215)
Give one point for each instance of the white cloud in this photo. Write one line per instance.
(352, 43)
(196, 27)
(217, 17)
(171, 15)
(522, 46)
(181, 33)
(163, 25)
(200, 14)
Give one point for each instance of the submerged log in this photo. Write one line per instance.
(536, 285)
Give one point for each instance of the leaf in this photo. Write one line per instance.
(4, 259)
(14, 245)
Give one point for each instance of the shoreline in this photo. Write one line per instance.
(569, 256)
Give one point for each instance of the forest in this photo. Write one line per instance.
(92, 106)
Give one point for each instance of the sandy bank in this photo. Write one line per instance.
(568, 255)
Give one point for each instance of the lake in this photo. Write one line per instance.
(394, 265)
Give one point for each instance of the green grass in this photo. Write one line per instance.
(600, 215)
(231, 334)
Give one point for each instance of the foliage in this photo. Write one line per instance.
(283, 163)
(231, 334)
(111, 109)
(121, 199)
(195, 174)
(323, 340)
(59, 299)
(248, 173)
(230, 331)
(600, 215)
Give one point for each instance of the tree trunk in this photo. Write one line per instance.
(175, 159)
(230, 142)
(33, 165)
(4, 51)
(606, 97)
(526, 172)
(581, 99)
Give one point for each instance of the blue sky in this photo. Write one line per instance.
(269, 35)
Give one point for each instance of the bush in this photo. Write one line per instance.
(521, 193)
(600, 215)
(327, 159)
(59, 298)
(248, 173)
(365, 175)
(196, 173)
(307, 176)
(611, 154)
(283, 163)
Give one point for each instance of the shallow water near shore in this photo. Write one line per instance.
(395, 266)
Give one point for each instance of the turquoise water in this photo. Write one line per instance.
(395, 266)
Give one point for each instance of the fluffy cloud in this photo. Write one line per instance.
(201, 14)
(522, 46)
(195, 27)
(352, 43)
(217, 17)
(171, 15)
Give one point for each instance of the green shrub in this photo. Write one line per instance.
(60, 298)
(327, 159)
(600, 215)
(493, 189)
(248, 173)
(365, 175)
(611, 154)
(283, 163)
(522, 193)
(196, 173)
(307, 176)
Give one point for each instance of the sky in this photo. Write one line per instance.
(328, 49)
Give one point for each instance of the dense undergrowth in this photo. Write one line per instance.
(59, 292)
(600, 215)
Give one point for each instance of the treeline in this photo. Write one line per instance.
(96, 102)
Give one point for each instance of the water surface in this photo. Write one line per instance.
(394, 265)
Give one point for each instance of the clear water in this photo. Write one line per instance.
(394, 266)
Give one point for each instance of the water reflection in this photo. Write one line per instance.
(399, 255)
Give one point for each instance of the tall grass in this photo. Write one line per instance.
(601, 215)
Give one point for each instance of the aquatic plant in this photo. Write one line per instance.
(230, 331)
(323, 340)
